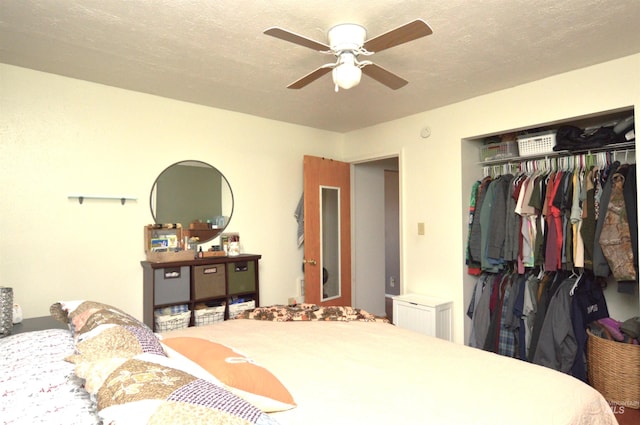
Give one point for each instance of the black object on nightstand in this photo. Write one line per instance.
(37, 324)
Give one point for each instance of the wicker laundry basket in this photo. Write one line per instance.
(614, 370)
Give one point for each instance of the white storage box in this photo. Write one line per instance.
(209, 315)
(170, 322)
(537, 144)
(498, 151)
(428, 315)
(235, 309)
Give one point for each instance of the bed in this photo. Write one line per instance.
(346, 369)
(38, 386)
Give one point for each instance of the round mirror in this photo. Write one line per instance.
(194, 194)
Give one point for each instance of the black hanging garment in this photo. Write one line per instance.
(588, 304)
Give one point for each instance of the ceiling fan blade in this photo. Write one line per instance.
(402, 34)
(383, 76)
(310, 77)
(291, 37)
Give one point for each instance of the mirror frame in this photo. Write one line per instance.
(204, 235)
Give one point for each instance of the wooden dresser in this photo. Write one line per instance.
(210, 281)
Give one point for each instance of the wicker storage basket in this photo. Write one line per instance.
(209, 315)
(614, 370)
(236, 309)
(170, 322)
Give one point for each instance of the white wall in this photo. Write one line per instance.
(436, 173)
(60, 136)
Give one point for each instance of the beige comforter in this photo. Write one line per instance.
(375, 373)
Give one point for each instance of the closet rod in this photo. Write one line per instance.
(564, 162)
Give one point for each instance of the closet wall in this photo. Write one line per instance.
(621, 306)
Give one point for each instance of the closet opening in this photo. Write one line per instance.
(476, 167)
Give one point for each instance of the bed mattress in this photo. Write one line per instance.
(377, 373)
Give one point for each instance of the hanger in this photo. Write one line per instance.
(541, 273)
(578, 280)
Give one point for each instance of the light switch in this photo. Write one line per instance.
(421, 229)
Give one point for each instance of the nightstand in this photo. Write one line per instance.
(37, 324)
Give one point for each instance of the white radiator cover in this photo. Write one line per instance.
(427, 315)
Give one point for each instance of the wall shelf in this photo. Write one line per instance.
(123, 199)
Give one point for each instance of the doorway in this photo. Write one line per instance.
(375, 222)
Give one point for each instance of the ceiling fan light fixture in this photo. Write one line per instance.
(346, 76)
(347, 73)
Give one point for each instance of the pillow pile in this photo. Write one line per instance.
(126, 369)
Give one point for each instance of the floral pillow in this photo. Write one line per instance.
(306, 312)
(147, 389)
(83, 316)
(103, 331)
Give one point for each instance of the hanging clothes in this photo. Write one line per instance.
(298, 214)
(512, 224)
(529, 311)
(588, 228)
(527, 215)
(615, 237)
(587, 305)
(481, 284)
(473, 267)
(541, 236)
(482, 312)
(536, 202)
(600, 265)
(553, 251)
(497, 226)
(475, 241)
(550, 219)
(565, 195)
(631, 201)
(557, 346)
(490, 228)
(545, 291)
(499, 295)
(575, 218)
(517, 309)
(511, 318)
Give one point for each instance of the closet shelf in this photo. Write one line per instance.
(625, 146)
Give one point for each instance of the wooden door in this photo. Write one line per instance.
(327, 231)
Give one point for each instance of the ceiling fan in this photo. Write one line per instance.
(347, 43)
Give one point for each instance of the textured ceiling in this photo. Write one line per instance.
(213, 52)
